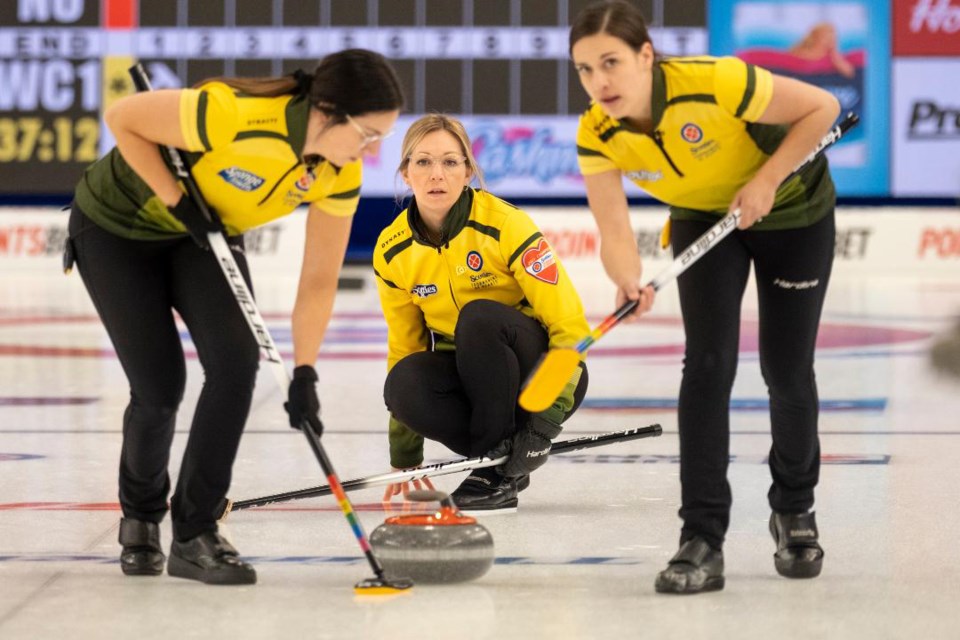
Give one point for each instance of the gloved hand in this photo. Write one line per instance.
(529, 447)
(302, 401)
(187, 212)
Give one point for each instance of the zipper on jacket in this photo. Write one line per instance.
(277, 184)
(658, 140)
(446, 264)
(452, 295)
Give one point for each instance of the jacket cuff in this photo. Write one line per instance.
(406, 446)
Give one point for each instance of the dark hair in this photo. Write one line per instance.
(349, 82)
(355, 81)
(617, 18)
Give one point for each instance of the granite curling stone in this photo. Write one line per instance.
(440, 547)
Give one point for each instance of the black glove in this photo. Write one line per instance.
(187, 212)
(529, 447)
(302, 401)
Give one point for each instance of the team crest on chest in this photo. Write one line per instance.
(538, 261)
(691, 133)
(475, 261)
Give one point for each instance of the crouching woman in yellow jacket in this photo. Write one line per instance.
(472, 294)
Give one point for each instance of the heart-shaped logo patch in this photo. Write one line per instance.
(538, 261)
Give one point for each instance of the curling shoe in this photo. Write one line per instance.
(485, 490)
(211, 559)
(141, 554)
(798, 555)
(697, 567)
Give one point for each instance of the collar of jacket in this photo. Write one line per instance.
(452, 225)
(658, 100)
(297, 112)
(658, 96)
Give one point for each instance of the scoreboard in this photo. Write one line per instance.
(62, 62)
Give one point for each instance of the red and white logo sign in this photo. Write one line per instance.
(926, 27)
(538, 261)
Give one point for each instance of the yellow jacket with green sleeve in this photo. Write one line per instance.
(489, 250)
(705, 144)
(246, 157)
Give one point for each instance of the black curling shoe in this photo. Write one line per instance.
(799, 554)
(141, 554)
(696, 567)
(487, 491)
(211, 559)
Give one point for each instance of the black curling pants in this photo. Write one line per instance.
(135, 287)
(792, 271)
(467, 399)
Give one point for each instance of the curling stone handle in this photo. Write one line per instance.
(424, 495)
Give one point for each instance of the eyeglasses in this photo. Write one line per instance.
(367, 138)
(424, 164)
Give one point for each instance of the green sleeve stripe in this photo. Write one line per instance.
(749, 91)
(385, 281)
(523, 245)
(395, 249)
(583, 151)
(254, 133)
(345, 195)
(693, 97)
(202, 121)
(484, 229)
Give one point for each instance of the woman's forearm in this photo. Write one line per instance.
(621, 259)
(139, 124)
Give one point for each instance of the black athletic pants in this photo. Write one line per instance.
(792, 271)
(135, 287)
(467, 399)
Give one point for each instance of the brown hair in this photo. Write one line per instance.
(349, 82)
(439, 122)
(617, 18)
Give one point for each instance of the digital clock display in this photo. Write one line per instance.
(33, 139)
(62, 62)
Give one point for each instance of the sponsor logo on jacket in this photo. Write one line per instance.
(423, 290)
(241, 178)
(644, 176)
(398, 234)
(306, 180)
(539, 262)
(483, 280)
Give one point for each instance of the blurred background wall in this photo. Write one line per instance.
(501, 65)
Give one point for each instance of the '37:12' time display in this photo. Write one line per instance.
(62, 139)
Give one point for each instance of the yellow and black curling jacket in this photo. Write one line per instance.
(705, 144)
(246, 158)
(489, 250)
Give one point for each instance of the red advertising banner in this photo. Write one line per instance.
(926, 27)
